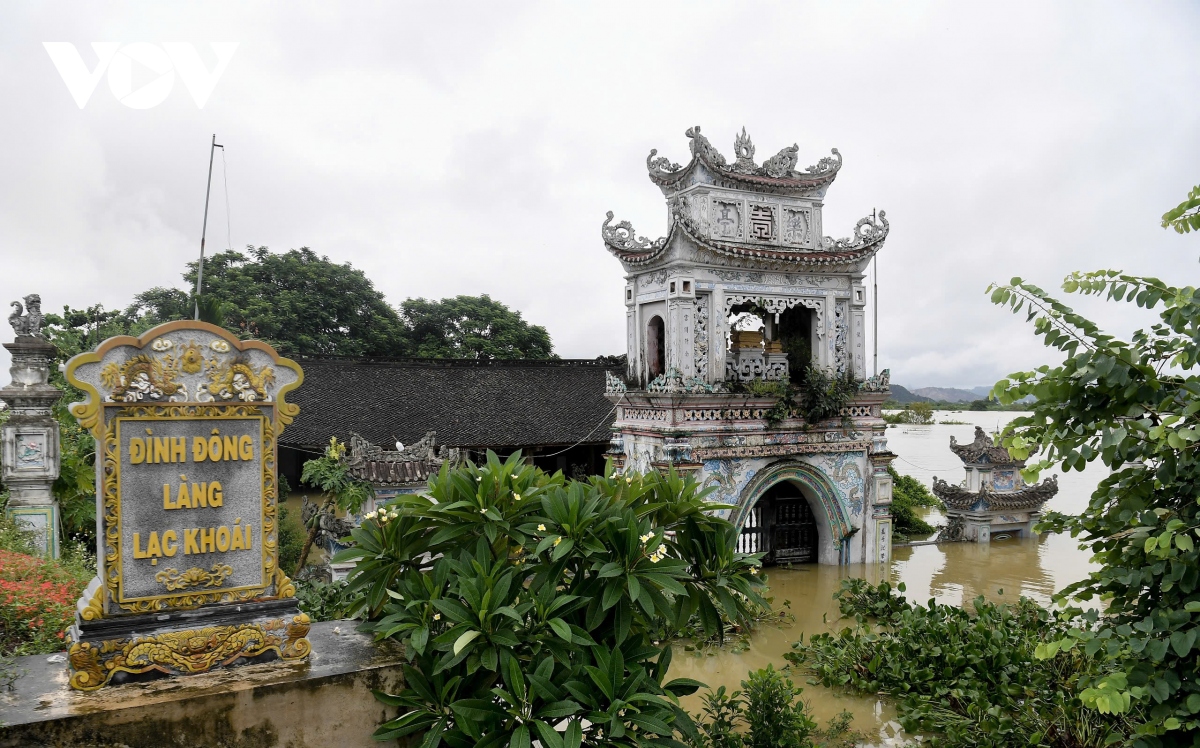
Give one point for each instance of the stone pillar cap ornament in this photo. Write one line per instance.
(31, 355)
(28, 321)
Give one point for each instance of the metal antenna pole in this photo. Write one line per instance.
(875, 304)
(204, 229)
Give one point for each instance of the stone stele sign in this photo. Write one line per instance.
(186, 419)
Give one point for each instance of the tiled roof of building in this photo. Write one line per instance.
(470, 404)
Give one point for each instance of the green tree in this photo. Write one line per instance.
(472, 327)
(1135, 406)
(298, 301)
(918, 412)
(162, 305)
(908, 493)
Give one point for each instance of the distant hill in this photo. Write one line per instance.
(947, 394)
(902, 395)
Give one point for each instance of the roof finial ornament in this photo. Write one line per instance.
(782, 164)
(662, 164)
(827, 164)
(703, 149)
(28, 321)
(744, 150)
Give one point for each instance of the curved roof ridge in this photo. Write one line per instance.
(1028, 497)
(869, 235)
(779, 171)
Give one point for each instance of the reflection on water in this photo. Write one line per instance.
(952, 573)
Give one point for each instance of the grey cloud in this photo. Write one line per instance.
(474, 148)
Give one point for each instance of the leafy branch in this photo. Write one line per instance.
(1184, 217)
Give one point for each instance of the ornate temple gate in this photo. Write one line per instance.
(782, 525)
(745, 238)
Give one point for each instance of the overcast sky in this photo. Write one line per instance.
(474, 148)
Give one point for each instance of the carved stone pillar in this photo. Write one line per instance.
(29, 448)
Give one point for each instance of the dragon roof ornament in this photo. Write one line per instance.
(983, 451)
(623, 241)
(778, 172)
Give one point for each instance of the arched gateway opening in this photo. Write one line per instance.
(782, 525)
(655, 348)
(792, 513)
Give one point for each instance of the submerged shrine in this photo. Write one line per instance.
(742, 296)
(993, 499)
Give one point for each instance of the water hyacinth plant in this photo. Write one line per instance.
(533, 607)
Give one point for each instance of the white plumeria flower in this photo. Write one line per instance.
(437, 616)
(483, 510)
(516, 497)
(541, 528)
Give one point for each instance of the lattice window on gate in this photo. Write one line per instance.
(753, 533)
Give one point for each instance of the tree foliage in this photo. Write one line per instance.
(299, 302)
(471, 327)
(908, 494)
(305, 304)
(1134, 406)
(1184, 217)
(532, 607)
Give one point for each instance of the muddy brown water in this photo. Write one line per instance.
(951, 573)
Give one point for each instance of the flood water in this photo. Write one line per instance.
(952, 573)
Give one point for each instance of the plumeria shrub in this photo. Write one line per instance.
(534, 608)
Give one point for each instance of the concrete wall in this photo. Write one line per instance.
(326, 702)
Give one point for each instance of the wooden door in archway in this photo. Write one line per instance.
(790, 525)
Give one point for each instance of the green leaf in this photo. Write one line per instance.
(479, 710)
(1182, 641)
(465, 639)
(561, 628)
(573, 737)
(548, 736)
(520, 738)
(1193, 703)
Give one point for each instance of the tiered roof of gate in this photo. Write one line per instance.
(740, 210)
